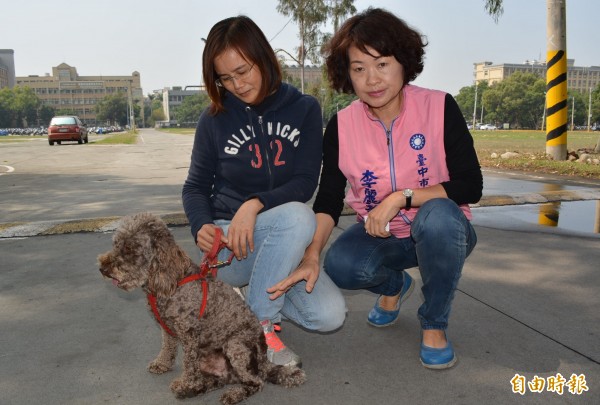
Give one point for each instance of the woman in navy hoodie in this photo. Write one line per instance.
(255, 162)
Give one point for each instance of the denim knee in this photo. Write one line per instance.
(330, 319)
(352, 260)
(299, 217)
(437, 216)
(341, 269)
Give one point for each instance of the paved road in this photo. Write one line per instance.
(527, 304)
(72, 181)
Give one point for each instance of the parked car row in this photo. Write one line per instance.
(63, 128)
(24, 131)
(485, 127)
(104, 130)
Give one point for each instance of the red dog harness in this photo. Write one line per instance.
(209, 265)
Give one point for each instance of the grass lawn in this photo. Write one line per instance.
(531, 146)
(129, 137)
(17, 138)
(181, 131)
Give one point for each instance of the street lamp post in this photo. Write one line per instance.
(572, 113)
(475, 107)
(131, 116)
(590, 110)
(481, 118)
(544, 112)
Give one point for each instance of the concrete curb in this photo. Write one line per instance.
(109, 224)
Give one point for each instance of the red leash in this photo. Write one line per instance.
(208, 266)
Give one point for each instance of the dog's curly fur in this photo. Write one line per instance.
(224, 346)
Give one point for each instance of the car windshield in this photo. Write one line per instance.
(62, 121)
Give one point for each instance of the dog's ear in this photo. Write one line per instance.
(167, 268)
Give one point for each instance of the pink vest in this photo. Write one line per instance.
(377, 163)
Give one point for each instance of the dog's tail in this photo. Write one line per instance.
(288, 376)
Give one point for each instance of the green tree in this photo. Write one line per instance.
(309, 15)
(517, 100)
(190, 109)
(45, 114)
(466, 100)
(595, 112)
(158, 114)
(338, 10)
(19, 107)
(148, 109)
(578, 115)
(338, 101)
(113, 108)
(494, 8)
(6, 108)
(156, 106)
(595, 119)
(25, 106)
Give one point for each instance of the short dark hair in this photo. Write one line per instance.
(382, 31)
(243, 35)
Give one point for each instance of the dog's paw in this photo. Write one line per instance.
(182, 390)
(236, 394)
(286, 376)
(294, 378)
(158, 367)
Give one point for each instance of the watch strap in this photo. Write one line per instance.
(408, 202)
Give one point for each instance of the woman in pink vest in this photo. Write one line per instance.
(409, 159)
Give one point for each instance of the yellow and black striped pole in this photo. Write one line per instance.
(556, 80)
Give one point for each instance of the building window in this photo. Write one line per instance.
(64, 75)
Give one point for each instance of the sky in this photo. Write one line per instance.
(162, 39)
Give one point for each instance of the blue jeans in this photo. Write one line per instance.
(281, 235)
(441, 239)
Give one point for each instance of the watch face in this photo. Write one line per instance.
(407, 192)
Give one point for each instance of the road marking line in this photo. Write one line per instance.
(9, 169)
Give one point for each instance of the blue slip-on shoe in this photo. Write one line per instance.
(438, 359)
(379, 317)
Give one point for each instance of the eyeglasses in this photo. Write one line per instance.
(242, 75)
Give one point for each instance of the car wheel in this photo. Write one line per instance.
(80, 140)
(51, 143)
(58, 142)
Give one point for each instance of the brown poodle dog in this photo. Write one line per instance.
(224, 345)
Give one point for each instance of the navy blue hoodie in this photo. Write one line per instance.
(271, 151)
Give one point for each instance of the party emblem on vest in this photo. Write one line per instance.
(417, 141)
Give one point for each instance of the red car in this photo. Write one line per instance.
(67, 128)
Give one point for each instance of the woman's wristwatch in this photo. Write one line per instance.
(408, 194)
